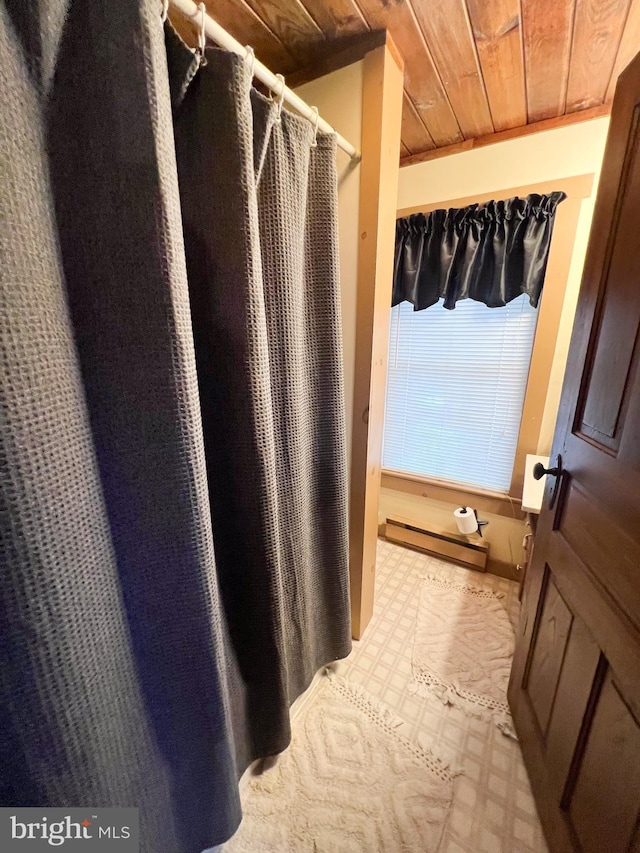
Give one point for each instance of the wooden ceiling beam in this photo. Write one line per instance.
(597, 32)
(505, 135)
(547, 26)
(497, 32)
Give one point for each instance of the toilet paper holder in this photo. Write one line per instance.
(481, 524)
(464, 510)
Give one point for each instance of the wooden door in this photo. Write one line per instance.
(575, 683)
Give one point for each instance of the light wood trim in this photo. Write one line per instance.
(395, 52)
(575, 186)
(506, 135)
(544, 344)
(457, 495)
(381, 118)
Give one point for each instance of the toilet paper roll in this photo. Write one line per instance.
(466, 519)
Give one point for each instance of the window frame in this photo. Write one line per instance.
(577, 188)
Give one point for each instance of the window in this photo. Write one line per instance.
(455, 390)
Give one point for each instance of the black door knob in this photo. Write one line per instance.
(539, 471)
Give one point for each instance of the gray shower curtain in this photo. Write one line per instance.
(259, 215)
(125, 645)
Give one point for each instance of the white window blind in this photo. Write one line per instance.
(455, 390)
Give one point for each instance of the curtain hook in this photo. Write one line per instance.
(165, 10)
(251, 56)
(280, 100)
(202, 35)
(314, 144)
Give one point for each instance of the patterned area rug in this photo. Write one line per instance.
(463, 648)
(348, 783)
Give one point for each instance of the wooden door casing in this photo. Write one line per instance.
(575, 683)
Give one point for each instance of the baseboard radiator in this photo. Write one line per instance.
(447, 546)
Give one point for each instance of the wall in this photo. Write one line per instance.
(573, 150)
(338, 97)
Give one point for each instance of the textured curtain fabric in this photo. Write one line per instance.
(117, 686)
(134, 670)
(492, 252)
(259, 213)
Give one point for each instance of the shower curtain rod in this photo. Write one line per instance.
(222, 38)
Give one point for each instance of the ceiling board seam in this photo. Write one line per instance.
(418, 114)
(474, 46)
(571, 43)
(361, 13)
(306, 12)
(356, 3)
(419, 117)
(408, 94)
(523, 57)
(263, 24)
(297, 3)
(423, 37)
(363, 20)
(615, 58)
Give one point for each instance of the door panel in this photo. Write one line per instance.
(559, 680)
(547, 653)
(575, 684)
(611, 630)
(575, 688)
(594, 536)
(605, 801)
(606, 384)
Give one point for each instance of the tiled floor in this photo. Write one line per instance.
(493, 810)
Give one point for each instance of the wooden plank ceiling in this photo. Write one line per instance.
(472, 67)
